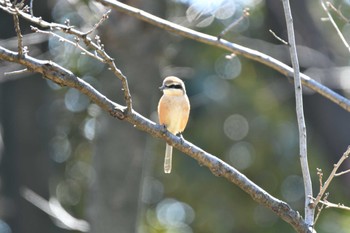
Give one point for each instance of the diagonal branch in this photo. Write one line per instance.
(325, 6)
(62, 76)
(331, 176)
(231, 47)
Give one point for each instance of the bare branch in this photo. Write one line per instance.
(319, 209)
(61, 76)
(19, 34)
(231, 47)
(31, 8)
(16, 72)
(309, 212)
(62, 39)
(333, 205)
(103, 18)
(325, 6)
(54, 208)
(342, 173)
(98, 47)
(330, 178)
(234, 23)
(337, 11)
(320, 177)
(278, 38)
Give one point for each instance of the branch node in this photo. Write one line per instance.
(117, 113)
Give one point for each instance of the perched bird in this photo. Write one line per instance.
(173, 112)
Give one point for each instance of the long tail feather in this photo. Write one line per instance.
(168, 158)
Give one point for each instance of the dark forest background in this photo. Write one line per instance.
(58, 144)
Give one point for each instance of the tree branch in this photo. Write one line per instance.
(231, 47)
(331, 176)
(96, 47)
(309, 211)
(325, 6)
(64, 77)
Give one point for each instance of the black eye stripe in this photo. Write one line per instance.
(175, 86)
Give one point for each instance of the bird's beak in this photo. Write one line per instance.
(161, 88)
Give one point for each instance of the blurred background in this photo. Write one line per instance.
(60, 152)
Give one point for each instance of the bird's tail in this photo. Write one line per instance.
(168, 158)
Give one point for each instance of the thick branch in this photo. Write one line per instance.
(309, 211)
(231, 47)
(59, 75)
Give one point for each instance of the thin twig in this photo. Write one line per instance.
(31, 8)
(333, 205)
(309, 212)
(278, 38)
(98, 47)
(19, 35)
(16, 72)
(342, 173)
(338, 12)
(319, 209)
(103, 18)
(63, 39)
(320, 177)
(55, 210)
(330, 17)
(234, 23)
(330, 178)
(229, 46)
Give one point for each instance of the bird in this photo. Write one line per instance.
(173, 112)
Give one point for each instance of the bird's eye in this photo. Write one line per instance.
(175, 86)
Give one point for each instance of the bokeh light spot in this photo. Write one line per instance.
(60, 149)
(228, 68)
(4, 227)
(152, 190)
(241, 155)
(75, 101)
(236, 127)
(90, 128)
(215, 88)
(68, 192)
(292, 188)
(174, 213)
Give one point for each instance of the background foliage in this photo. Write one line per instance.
(55, 142)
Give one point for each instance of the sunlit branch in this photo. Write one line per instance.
(337, 11)
(278, 38)
(234, 23)
(16, 72)
(330, 17)
(320, 208)
(65, 40)
(64, 77)
(330, 178)
(309, 212)
(333, 205)
(342, 173)
(84, 36)
(231, 47)
(54, 208)
(19, 34)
